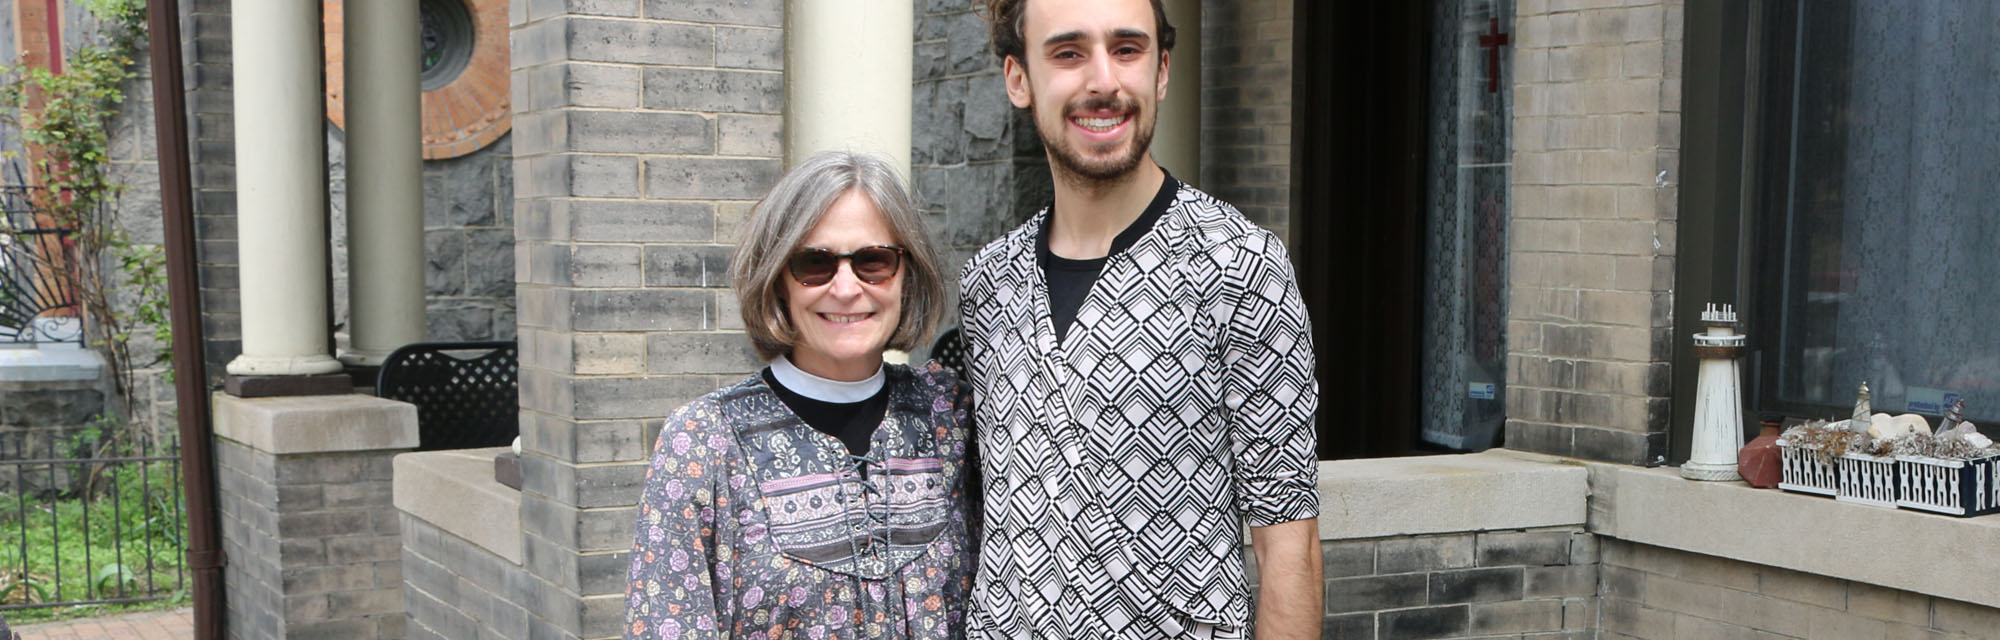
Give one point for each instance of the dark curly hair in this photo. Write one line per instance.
(1007, 19)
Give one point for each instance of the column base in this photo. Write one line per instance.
(276, 386)
(1710, 471)
(248, 365)
(363, 357)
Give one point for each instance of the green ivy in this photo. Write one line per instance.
(121, 284)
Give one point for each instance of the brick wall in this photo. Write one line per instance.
(212, 152)
(1246, 118)
(312, 541)
(1596, 139)
(1532, 583)
(455, 589)
(643, 133)
(1655, 592)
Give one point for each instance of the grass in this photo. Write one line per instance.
(136, 533)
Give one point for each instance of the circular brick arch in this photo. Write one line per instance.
(460, 117)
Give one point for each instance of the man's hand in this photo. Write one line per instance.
(1290, 586)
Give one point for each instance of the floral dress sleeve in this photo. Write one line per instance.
(679, 583)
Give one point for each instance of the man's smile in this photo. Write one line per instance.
(1100, 125)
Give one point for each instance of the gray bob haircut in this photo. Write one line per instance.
(780, 223)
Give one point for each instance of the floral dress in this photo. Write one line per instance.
(755, 526)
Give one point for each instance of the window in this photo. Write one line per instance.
(1869, 142)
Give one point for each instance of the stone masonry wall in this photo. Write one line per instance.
(643, 133)
(1246, 118)
(312, 542)
(1533, 583)
(455, 589)
(1656, 593)
(1596, 152)
(977, 166)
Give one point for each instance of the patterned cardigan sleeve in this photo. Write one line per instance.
(679, 573)
(1268, 385)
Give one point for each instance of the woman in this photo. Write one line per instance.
(822, 497)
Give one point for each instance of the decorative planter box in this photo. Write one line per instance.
(1804, 471)
(1956, 487)
(1866, 480)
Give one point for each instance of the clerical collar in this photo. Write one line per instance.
(798, 381)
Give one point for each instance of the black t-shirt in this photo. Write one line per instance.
(1070, 280)
(852, 422)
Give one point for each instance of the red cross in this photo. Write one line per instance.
(1492, 40)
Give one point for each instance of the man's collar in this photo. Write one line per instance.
(1157, 208)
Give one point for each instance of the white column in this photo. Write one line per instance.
(385, 193)
(847, 78)
(1177, 136)
(280, 188)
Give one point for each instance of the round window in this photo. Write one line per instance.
(464, 73)
(447, 41)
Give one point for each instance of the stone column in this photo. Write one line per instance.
(844, 90)
(1177, 137)
(281, 188)
(385, 195)
(640, 144)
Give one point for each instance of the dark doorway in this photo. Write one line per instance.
(1359, 140)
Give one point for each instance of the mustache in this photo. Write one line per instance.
(1100, 103)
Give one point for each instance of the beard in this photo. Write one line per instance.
(1074, 166)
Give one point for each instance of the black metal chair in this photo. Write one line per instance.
(462, 402)
(949, 350)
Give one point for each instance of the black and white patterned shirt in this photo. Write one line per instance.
(1121, 461)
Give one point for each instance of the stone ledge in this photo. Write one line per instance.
(1493, 490)
(455, 492)
(316, 424)
(1896, 548)
(51, 362)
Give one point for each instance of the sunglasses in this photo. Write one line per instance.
(873, 265)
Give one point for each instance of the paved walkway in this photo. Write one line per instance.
(172, 624)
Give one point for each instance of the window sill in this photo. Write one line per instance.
(1493, 490)
(1926, 553)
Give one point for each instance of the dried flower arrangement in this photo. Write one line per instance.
(1950, 445)
(1828, 440)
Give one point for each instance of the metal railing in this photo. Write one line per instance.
(86, 520)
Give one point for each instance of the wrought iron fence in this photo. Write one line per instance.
(89, 518)
(38, 300)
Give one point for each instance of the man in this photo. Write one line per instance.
(1142, 368)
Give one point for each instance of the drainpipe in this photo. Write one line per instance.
(204, 556)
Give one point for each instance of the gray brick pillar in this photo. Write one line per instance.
(1597, 104)
(643, 133)
(307, 519)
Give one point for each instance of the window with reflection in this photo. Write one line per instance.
(1872, 218)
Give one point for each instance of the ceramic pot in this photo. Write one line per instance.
(1757, 462)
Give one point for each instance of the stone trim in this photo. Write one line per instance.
(454, 491)
(1491, 490)
(315, 424)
